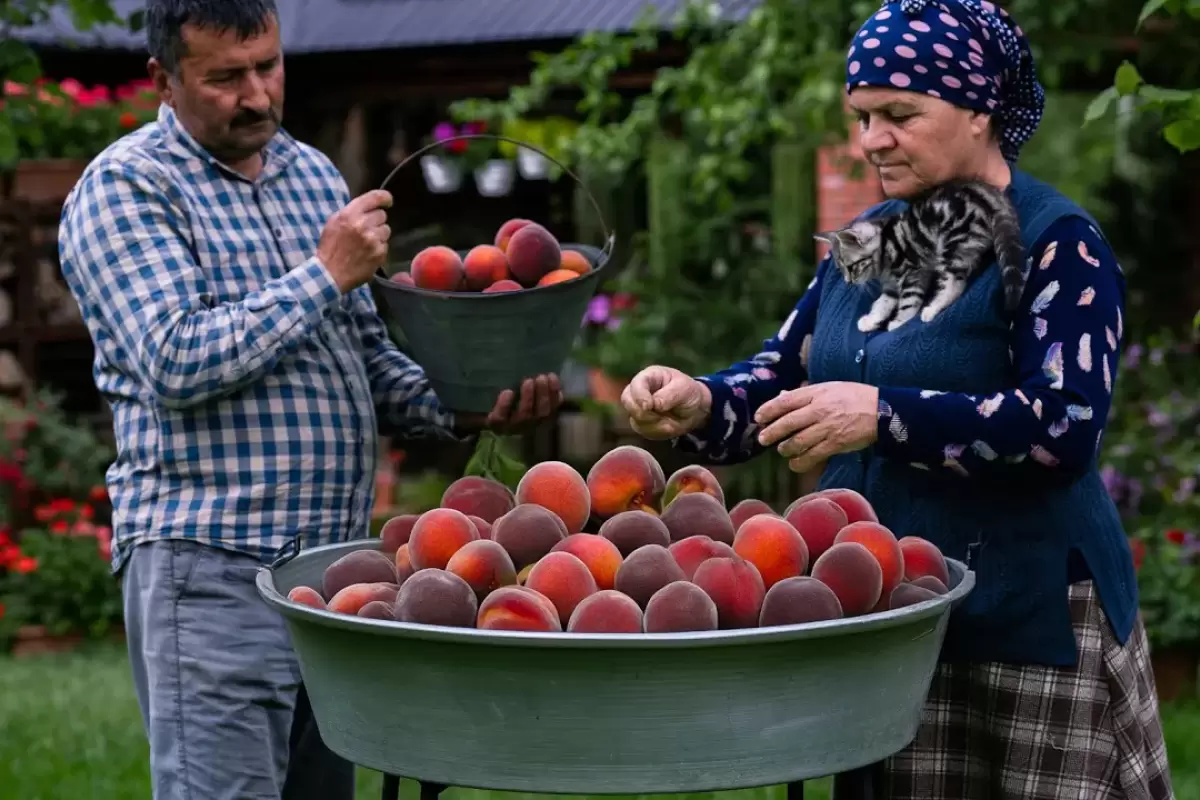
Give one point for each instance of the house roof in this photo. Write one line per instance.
(312, 26)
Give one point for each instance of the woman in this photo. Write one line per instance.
(975, 433)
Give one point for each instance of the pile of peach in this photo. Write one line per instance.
(523, 255)
(665, 556)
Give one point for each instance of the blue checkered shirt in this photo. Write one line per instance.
(244, 385)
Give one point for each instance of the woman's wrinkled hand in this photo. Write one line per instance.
(664, 403)
(815, 422)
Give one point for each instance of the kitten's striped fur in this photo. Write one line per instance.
(925, 256)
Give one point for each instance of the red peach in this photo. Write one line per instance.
(882, 544)
(438, 268)
(818, 520)
(773, 546)
(922, 557)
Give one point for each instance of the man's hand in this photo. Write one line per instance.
(355, 241)
(540, 397)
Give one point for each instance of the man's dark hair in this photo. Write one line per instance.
(165, 19)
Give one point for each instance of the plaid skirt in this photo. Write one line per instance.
(1005, 732)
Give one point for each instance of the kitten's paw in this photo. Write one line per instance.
(867, 323)
(896, 323)
(927, 314)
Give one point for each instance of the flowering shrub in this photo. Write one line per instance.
(58, 575)
(70, 120)
(44, 456)
(1151, 466)
(55, 534)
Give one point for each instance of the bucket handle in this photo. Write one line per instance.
(609, 240)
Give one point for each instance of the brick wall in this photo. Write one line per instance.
(842, 191)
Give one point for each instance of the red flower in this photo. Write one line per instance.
(9, 554)
(1175, 536)
(98, 494)
(1138, 547)
(86, 511)
(11, 473)
(128, 120)
(59, 527)
(25, 565)
(71, 87)
(1, 610)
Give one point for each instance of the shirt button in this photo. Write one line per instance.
(859, 356)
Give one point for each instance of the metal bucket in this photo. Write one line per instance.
(611, 714)
(473, 346)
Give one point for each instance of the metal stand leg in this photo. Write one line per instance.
(391, 789)
(858, 784)
(431, 791)
(795, 791)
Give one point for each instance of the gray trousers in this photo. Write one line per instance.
(218, 684)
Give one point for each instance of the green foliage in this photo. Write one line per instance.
(18, 61)
(1151, 468)
(46, 454)
(1178, 109)
(71, 590)
(67, 120)
(493, 460)
(707, 279)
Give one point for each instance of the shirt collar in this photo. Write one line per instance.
(278, 153)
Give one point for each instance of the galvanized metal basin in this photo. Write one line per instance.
(611, 714)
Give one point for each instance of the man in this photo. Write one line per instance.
(220, 267)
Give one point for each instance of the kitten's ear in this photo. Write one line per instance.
(825, 236)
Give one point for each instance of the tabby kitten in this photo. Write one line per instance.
(924, 256)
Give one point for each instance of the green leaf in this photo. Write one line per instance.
(8, 144)
(1184, 134)
(1148, 11)
(1128, 79)
(1099, 105)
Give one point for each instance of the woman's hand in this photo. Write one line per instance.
(664, 403)
(818, 421)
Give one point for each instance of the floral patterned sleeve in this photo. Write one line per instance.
(739, 390)
(1065, 346)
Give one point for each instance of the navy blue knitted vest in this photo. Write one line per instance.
(1027, 535)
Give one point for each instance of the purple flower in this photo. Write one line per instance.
(1133, 356)
(443, 131)
(1187, 488)
(599, 309)
(1114, 481)
(1156, 356)
(1158, 418)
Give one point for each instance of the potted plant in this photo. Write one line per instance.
(59, 127)
(442, 166)
(494, 173)
(445, 167)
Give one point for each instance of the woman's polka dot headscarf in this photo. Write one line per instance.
(967, 52)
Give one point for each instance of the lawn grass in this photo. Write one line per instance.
(70, 728)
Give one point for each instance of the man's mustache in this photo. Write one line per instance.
(247, 118)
